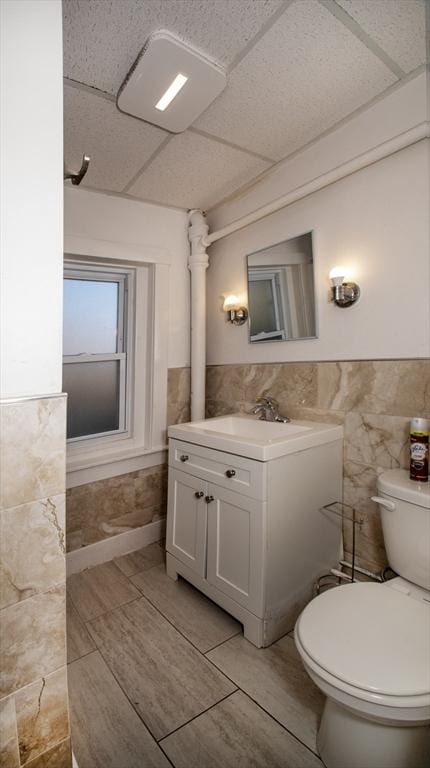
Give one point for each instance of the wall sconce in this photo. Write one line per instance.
(235, 313)
(343, 294)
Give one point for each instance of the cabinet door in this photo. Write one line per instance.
(187, 520)
(236, 527)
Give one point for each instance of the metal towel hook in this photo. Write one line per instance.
(76, 178)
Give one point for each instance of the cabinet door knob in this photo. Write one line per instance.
(184, 457)
(208, 499)
(199, 494)
(231, 473)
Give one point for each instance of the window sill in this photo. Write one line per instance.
(89, 467)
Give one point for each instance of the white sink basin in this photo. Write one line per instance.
(240, 426)
(246, 435)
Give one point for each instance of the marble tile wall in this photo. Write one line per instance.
(102, 509)
(374, 400)
(34, 719)
(178, 395)
(105, 508)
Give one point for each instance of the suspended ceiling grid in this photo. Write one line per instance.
(295, 69)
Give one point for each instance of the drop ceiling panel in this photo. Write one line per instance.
(398, 26)
(102, 38)
(193, 171)
(305, 74)
(118, 144)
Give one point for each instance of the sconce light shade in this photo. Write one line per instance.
(231, 302)
(337, 275)
(235, 313)
(343, 294)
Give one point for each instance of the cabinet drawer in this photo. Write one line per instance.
(234, 472)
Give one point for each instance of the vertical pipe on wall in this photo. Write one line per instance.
(198, 263)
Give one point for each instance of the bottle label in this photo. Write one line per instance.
(419, 458)
(419, 452)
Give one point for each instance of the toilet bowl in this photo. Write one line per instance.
(367, 647)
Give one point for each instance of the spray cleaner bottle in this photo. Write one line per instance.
(419, 446)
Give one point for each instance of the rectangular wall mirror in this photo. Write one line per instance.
(281, 297)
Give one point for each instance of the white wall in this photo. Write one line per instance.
(31, 115)
(375, 222)
(143, 232)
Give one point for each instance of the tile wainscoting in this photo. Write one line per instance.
(34, 718)
(105, 508)
(178, 395)
(374, 400)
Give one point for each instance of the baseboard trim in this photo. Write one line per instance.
(121, 544)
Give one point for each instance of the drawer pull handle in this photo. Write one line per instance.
(184, 457)
(208, 499)
(199, 494)
(231, 473)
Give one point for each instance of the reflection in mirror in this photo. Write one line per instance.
(281, 298)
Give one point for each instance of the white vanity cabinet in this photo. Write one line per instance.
(249, 534)
(215, 519)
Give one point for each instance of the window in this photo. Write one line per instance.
(97, 351)
(116, 330)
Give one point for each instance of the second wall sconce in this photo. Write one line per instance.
(236, 314)
(343, 294)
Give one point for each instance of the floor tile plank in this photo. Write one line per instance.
(164, 676)
(79, 643)
(141, 559)
(236, 733)
(275, 678)
(199, 619)
(100, 589)
(106, 731)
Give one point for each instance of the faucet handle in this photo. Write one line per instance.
(257, 408)
(267, 400)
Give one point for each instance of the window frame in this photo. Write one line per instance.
(125, 277)
(146, 444)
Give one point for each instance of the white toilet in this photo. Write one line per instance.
(367, 645)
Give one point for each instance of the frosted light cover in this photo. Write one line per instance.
(162, 60)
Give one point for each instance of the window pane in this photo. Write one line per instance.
(90, 316)
(93, 397)
(263, 311)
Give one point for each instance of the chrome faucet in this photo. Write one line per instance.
(268, 409)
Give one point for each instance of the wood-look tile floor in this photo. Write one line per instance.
(159, 676)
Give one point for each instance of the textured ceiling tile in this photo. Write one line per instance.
(305, 74)
(195, 172)
(102, 38)
(118, 144)
(398, 26)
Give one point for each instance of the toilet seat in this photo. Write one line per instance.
(370, 643)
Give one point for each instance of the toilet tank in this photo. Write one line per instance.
(406, 525)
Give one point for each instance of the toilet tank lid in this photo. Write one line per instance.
(396, 483)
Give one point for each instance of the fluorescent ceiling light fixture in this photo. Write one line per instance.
(164, 66)
(171, 92)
